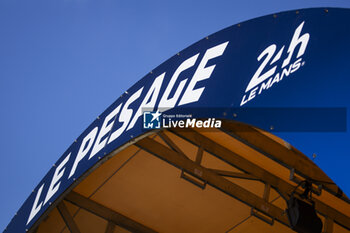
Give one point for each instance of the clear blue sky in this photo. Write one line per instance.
(62, 62)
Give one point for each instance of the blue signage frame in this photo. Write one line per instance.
(289, 57)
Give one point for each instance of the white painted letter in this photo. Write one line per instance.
(202, 73)
(304, 39)
(167, 103)
(258, 77)
(146, 103)
(36, 207)
(54, 186)
(125, 115)
(84, 149)
(104, 130)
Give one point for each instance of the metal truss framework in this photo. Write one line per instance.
(201, 176)
(67, 218)
(113, 217)
(261, 207)
(283, 155)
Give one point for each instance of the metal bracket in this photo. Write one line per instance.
(263, 217)
(194, 180)
(292, 177)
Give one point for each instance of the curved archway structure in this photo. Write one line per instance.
(129, 171)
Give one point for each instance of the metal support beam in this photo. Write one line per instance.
(170, 143)
(107, 213)
(238, 175)
(199, 155)
(212, 178)
(292, 177)
(283, 155)
(234, 159)
(110, 227)
(241, 163)
(328, 226)
(267, 192)
(67, 218)
(255, 213)
(268, 220)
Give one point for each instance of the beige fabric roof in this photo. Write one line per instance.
(144, 184)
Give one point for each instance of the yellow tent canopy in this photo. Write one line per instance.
(235, 179)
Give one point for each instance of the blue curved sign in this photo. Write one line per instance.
(292, 58)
